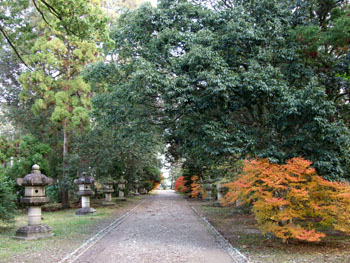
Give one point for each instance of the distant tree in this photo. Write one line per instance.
(71, 31)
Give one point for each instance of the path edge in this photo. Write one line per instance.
(72, 257)
(234, 253)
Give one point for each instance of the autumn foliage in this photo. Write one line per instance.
(291, 200)
(180, 185)
(156, 184)
(196, 189)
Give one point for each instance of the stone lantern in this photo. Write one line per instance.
(85, 192)
(137, 185)
(220, 194)
(34, 198)
(108, 190)
(143, 190)
(208, 186)
(121, 186)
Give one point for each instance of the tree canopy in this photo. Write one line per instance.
(228, 81)
(207, 83)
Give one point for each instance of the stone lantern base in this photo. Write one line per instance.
(217, 203)
(108, 199)
(209, 197)
(131, 193)
(85, 211)
(33, 232)
(107, 203)
(121, 196)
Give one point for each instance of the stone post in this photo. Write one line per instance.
(143, 191)
(137, 187)
(219, 189)
(121, 188)
(108, 190)
(34, 198)
(142, 188)
(85, 192)
(208, 186)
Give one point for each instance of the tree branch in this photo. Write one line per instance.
(13, 47)
(41, 13)
(53, 11)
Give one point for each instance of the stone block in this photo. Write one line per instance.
(33, 232)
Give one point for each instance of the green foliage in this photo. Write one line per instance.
(52, 191)
(28, 151)
(7, 197)
(223, 82)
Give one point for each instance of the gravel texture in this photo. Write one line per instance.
(162, 229)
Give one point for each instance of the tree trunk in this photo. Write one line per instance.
(64, 186)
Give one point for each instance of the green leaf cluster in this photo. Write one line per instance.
(226, 82)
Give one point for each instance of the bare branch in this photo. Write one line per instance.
(41, 13)
(13, 47)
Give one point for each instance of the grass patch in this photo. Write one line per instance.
(67, 228)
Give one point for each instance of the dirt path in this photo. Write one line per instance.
(163, 229)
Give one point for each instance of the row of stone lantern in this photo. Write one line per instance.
(209, 186)
(108, 190)
(85, 192)
(35, 197)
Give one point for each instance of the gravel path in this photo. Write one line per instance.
(162, 229)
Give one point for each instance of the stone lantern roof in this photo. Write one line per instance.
(108, 180)
(85, 183)
(36, 178)
(209, 180)
(122, 180)
(84, 179)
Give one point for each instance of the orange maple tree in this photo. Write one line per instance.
(196, 189)
(285, 197)
(156, 184)
(180, 185)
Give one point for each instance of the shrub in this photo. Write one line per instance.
(52, 191)
(286, 197)
(180, 185)
(196, 189)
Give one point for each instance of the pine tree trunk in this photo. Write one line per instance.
(64, 186)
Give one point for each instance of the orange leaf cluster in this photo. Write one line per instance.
(157, 184)
(180, 185)
(285, 197)
(196, 189)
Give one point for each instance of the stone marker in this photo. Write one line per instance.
(108, 190)
(85, 192)
(143, 191)
(208, 186)
(34, 198)
(121, 187)
(137, 185)
(220, 193)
